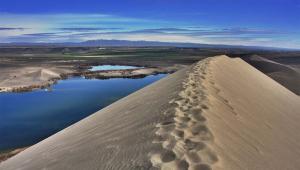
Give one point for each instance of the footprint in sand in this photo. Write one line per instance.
(168, 156)
(182, 119)
(191, 145)
(186, 136)
(204, 106)
(192, 157)
(178, 133)
(200, 167)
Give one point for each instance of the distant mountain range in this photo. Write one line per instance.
(126, 43)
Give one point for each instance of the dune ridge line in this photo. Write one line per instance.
(185, 139)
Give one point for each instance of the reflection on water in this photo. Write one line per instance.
(112, 67)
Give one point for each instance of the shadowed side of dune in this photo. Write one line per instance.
(282, 73)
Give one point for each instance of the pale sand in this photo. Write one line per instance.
(220, 113)
(286, 74)
(7, 154)
(11, 78)
(27, 78)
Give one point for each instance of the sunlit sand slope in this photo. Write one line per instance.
(254, 120)
(220, 113)
(117, 137)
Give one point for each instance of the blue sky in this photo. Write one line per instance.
(273, 23)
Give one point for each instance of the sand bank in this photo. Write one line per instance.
(7, 154)
(30, 78)
(220, 113)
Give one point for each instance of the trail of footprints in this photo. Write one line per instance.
(185, 139)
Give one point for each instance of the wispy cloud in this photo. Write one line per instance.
(11, 28)
(39, 23)
(192, 32)
(41, 34)
(82, 27)
(88, 29)
(197, 32)
(236, 31)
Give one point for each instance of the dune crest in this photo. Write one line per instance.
(185, 139)
(229, 116)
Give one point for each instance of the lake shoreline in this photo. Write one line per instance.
(4, 155)
(70, 101)
(84, 72)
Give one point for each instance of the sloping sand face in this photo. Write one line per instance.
(117, 137)
(230, 116)
(286, 74)
(254, 120)
(221, 113)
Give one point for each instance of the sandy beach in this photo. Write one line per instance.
(219, 113)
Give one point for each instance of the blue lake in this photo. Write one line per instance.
(112, 67)
(27, 118)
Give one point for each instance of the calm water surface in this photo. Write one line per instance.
(27, 118)
(112, 67)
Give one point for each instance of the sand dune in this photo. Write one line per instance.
(220, 113)
(286, 75)
(253, 118)
(29, 76)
